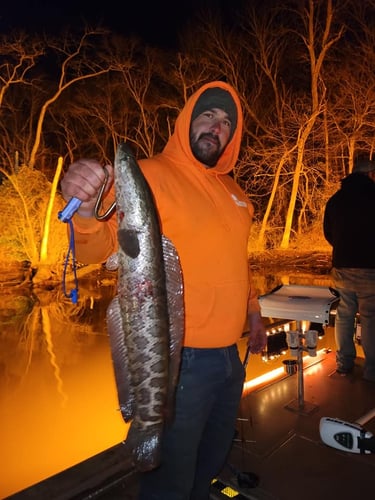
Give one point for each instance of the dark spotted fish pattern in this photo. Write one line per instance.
(146, 318)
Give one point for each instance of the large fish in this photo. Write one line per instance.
(146, 318)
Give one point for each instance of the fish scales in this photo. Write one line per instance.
(145, 344)
(120, 359)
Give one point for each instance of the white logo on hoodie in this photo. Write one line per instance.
(238, 202)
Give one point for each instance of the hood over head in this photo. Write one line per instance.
(214, 94)
(363, 166)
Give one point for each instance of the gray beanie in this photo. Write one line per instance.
(364, 166)
(217, 98)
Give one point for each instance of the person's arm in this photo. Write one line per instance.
(257, 340)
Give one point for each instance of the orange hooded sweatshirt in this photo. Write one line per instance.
(207, 216)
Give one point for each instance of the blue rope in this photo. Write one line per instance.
(73, 295)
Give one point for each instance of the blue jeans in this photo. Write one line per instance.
(356, 288)
(197, 443)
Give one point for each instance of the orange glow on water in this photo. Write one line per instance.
(58, 404)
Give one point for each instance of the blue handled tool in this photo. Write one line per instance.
(66, 216)
(70, 209)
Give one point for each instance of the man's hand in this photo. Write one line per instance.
(83, 180)
(258, 338)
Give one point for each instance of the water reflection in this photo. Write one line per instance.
(58, 403)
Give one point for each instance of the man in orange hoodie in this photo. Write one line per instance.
(208, 217)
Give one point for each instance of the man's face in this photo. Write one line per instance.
(209, 134)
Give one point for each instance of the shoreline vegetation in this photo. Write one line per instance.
(80, 92)
(25, 295)
(19, 274)
(313, 261)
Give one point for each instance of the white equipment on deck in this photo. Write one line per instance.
(345, 436)
(300, 303)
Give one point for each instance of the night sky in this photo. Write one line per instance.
(157, 22)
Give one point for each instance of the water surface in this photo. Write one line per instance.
(58, 400)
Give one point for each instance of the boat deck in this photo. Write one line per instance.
(278, 440)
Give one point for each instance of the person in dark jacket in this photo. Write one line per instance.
(349, 226)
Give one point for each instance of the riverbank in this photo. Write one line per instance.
(316, 262)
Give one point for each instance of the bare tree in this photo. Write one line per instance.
(77, 64)
(19, 54)
(23, 206)
(318, 39)
(351, 90)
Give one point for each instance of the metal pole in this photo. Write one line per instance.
(300, 367)
(366, 417)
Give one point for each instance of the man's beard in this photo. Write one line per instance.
(206, 155)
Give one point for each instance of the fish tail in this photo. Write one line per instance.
(144, 446)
